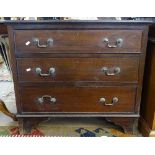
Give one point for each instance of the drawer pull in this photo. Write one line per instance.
(50, 72)
(110, 72)
(42, 99)
(118, 43)
(49, 42)
(103, 101)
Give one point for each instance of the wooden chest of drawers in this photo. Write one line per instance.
(78, 69)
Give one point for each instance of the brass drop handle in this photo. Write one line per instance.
(51, 72)
(36, 42)
(50, 98)
(103, 101)
(118, 43)
(111, 72)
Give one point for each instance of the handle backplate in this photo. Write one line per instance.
(44, 97)
(102, 100)
(118, 43)
(36, 42)
(51, 72)
(111, 71)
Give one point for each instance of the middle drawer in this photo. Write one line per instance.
(123, 69)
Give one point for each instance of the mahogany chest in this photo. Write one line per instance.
(78, 69)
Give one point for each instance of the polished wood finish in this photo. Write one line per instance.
(147, 121)
(5, 110)
(77, 41)
(77, 69)
(3, 29)
(78, 99)
(78, 57)
(27, 124)
(129, 125)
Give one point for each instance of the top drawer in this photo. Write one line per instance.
(77, 41)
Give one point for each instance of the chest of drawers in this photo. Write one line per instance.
(77, 69)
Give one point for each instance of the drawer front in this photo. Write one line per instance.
(78, 99)
(123, 69)
(77, 41)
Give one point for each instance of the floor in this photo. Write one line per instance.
(70, 127)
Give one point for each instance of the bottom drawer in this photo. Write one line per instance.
(78, 99)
